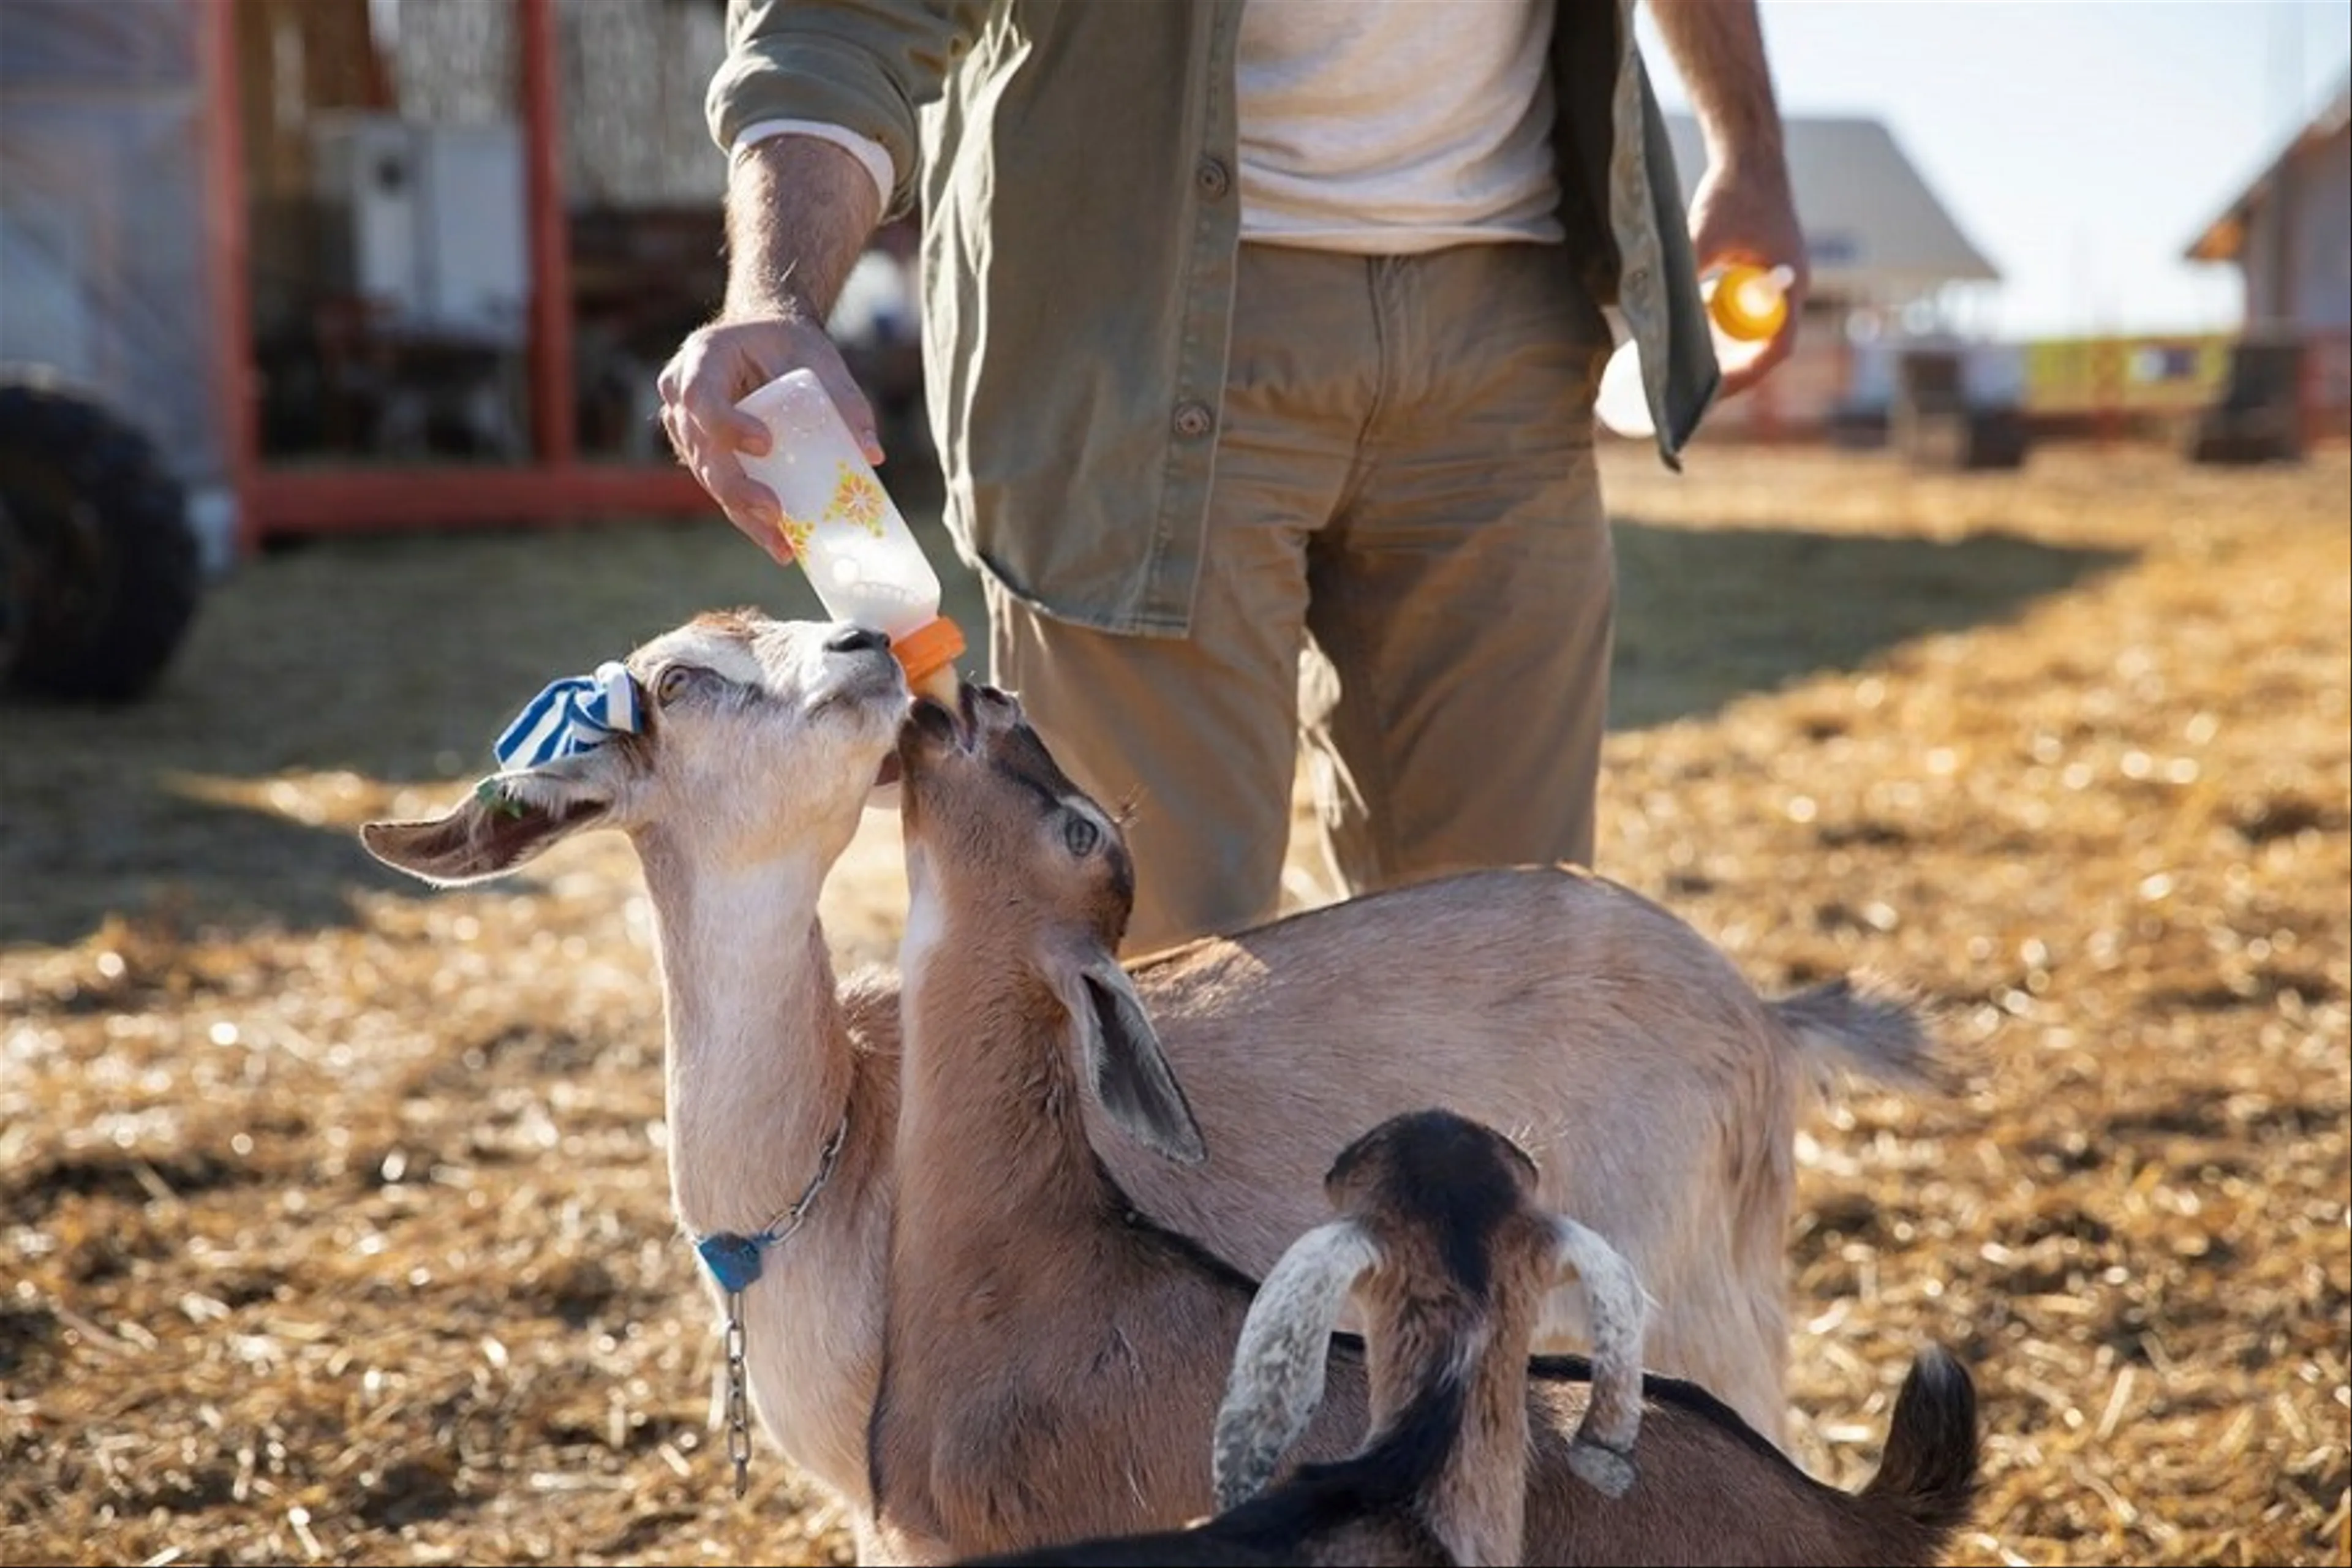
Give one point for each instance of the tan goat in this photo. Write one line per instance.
(1054, 1359)
(1603, 1034)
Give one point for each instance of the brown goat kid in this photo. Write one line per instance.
(1449, 1257)
(1053, 1361)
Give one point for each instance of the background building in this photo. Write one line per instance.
(2289, 234)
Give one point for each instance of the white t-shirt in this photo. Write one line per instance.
(1385, 127)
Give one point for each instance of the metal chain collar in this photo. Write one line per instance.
(739, 1398)
(737, 1340)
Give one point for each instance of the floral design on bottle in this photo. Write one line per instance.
(796, 531)
(856, 499)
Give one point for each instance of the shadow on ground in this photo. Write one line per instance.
(1705, 616)
(339, 667)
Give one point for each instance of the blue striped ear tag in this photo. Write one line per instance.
(575, 714)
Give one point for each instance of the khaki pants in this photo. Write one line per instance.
(1405, 493)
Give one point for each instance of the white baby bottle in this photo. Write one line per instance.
(845, 532)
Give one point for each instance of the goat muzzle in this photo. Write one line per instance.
(930, 726)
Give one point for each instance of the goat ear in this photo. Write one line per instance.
(510, 819)
(1277, 1377)
(1131, 1077)
(1616, 1304)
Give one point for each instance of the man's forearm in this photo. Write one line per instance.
(1718, 47)
(799, 214)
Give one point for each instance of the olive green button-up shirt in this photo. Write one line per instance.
(1073, 160)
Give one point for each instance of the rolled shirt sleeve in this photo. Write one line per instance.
(861, 67)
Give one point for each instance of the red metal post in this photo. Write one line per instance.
(554, 436)
(555, 488)
(228, 280)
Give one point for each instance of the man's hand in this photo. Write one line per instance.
(725, 362)
(1741, 211)
(1740, 216)
(799, 213)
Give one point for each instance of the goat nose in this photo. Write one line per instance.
(856, 639)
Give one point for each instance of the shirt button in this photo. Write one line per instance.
(1212, 177)
(1637, 278)
(1193, 420)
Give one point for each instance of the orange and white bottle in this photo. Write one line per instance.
(1745, 307)
(846, 531)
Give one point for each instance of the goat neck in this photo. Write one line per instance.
(762, 1069)
(1420, 1343)
(986, 1112)
(758, 1065)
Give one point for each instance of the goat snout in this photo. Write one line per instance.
(931, 727)
(857, 639)
(990, 710)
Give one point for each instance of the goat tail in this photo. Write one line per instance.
(1927, 1478)
(1873, 1030)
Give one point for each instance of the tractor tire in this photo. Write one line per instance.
(100, 571)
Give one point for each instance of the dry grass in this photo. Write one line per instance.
(333, 1224)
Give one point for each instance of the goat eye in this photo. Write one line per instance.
(1081, 836)
(673, 684)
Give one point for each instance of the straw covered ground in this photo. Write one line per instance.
(333, 1219)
